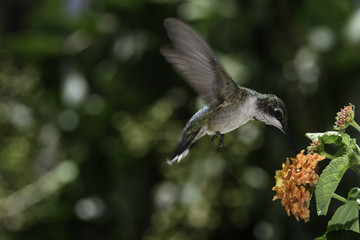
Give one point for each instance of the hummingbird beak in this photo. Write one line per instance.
(287, 132)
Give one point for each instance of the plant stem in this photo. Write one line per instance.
(355, 125)
(355, 169)
(327, 155)
(356, 154)
(357, 148)
(340, 198)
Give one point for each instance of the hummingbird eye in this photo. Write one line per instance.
(278, 114)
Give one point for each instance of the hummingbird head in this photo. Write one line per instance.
(272, 111)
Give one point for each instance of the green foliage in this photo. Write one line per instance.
(340, 235)
(332, 174)
(330, 137)
(345, 221)
(347, 215)
(328, 182)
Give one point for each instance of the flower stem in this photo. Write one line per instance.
(340, 198)
(355, 125)
(327, 155)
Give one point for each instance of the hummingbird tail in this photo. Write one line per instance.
(185, 142)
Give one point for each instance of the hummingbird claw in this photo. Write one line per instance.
(221, 141)
(213, 138)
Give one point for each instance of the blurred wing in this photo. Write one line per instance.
(195, 60)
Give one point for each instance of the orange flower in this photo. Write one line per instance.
(293, 181)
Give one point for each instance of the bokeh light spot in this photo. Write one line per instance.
(76, 42)
(352, 30)
(89, 208)
(20, 115)
(190, 194)
(249, 135)
(68, 120)
(49, 135)
(198, 215)
(107, 23)
(321, 39)
(74, 88)
(256, 177)
(263, 231)
(165, 195)
(67, 171)
(236, 69)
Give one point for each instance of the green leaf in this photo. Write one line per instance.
(347, 141)
(346, 216)
(323, 237)
(354, 194)
(342, 235)
(340, 139)
(330, 137)
(328, 182)
(353, 152)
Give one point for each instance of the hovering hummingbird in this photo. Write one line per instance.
(229, 105)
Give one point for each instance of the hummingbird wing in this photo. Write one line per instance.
(192, 57)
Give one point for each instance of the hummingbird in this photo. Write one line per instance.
(228, 105)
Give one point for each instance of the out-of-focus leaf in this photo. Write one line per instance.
(37, 44)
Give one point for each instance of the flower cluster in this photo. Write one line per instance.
(344, 117)
(314, 147)
(293, 183)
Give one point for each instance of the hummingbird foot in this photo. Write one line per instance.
(221, 141)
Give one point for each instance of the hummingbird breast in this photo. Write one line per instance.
(231, 115)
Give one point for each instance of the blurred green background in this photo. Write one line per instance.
(90, 111)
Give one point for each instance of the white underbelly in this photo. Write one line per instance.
(229, 118)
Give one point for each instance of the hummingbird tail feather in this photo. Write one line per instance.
(185, 142)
